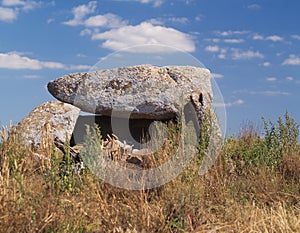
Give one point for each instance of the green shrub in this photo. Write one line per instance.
(280, 139)
(250, 152)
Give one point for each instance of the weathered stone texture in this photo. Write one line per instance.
(144, 91)
(51, 119)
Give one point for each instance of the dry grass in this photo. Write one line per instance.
(37, 196)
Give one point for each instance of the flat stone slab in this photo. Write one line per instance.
(51, 119)
(138, 92)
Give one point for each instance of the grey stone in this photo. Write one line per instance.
(141, 92)
(51, 119)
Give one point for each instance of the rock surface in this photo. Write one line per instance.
(141, 92)
(51, 119)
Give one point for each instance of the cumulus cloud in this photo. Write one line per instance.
(145, 33)
(11, 8)
(238, 54)
(156, 3)
(274, 38)
(211, 48)
(106, 20)
(266, 64)
(26, 5)
(80, 12)
(7, 14)
(258, 37)
(293, 60)
(162, 21)
(14, 60)
(223, 53)
(156, 21)
(117, 34)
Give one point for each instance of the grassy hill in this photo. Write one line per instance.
(254, 186)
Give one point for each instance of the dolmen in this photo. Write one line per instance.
(135, 92)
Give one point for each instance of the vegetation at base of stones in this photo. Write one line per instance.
(254, 186)
(269, 150)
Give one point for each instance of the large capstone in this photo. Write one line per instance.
(136, 92)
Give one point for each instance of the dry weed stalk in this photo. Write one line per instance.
(115, 149)
(46, 146)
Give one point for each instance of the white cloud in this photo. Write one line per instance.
(31, 76)
(240, 55)
(271, 79)
(81, 55)
(258, 37)
(230, 33)
(293, 60)
(199, 18)
(11, 8)
(26, 5)
(145, 33)
(50, 20)
(182, 20)
(296, 37)
(212, 48)
(271, 93)
(289, 78)
(157, 21)
(265, 93)
(215, 75)
(274, 38)
(266, 64)
(80, 12)
(14, 60)
(7, 14)
(223, 53)
(234, 41)
(254, 7)
(12, 2)
(106, 20)
(230, 104)
(156, 3)
(79, 67)
(86, 32)
(31, 5)
(215, 40)
(162, 21)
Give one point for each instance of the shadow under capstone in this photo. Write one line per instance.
(138, 128)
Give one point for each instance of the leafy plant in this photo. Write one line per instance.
(280, 139)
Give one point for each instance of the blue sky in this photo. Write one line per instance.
(251, 47)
